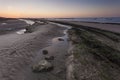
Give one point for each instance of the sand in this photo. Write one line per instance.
(19, 51)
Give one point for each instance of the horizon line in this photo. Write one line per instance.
(62, 17)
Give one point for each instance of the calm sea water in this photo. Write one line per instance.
(102, 20)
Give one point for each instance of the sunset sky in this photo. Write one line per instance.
(59, 8)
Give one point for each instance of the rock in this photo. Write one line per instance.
(49, 58)
(60, 39)
(42, 66)
(45, 52)
(29, 29)
(74, 35)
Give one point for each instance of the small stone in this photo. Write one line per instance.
(45, 52)
(49, 58)
(42, 66)
(60, 39)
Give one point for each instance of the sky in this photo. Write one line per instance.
(59, 8)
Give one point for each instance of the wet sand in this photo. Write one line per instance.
(109, 27)
(19, 52)
(9, 26)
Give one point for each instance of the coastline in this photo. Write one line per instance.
(80, 52)
(17, 57)
(92, 55)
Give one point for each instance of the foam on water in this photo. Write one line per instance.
(30, 22)
(4, 23)
(21, 31)
(61, 25)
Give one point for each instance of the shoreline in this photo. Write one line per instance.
(92, 56)
(19, 54)
(110, 28)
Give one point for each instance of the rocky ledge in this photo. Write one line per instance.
(93, 55)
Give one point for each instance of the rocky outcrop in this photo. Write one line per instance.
(42, 66)
(91, 59)
(32, 28)
(72, 35)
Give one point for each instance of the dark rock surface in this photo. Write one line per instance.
(45, 52)
(60, 39)
(93, 58)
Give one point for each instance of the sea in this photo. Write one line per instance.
(101, 20)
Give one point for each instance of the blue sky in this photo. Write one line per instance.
(59, 8)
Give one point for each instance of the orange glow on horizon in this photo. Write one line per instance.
(51, 14)
(37, 15)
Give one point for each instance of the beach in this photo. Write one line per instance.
(18, 51)
(21, 49)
